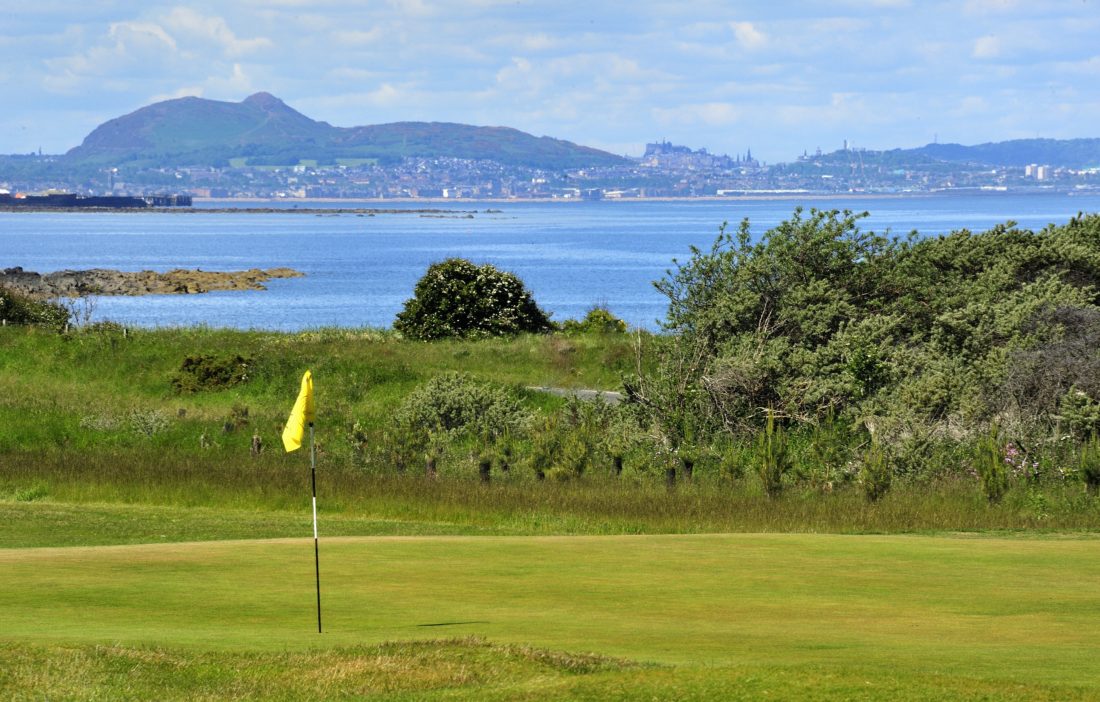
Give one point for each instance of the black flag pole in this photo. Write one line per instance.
(316, 549)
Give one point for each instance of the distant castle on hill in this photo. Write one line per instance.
(665, 154)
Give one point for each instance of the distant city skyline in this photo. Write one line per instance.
(779, 78)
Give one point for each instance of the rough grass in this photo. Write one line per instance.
(267, 498)
(453, 670)
(392, 671)
(91, 418)
(91, 390)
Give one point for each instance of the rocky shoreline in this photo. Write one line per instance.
(102, 281)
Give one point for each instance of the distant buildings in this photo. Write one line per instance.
(664, 170)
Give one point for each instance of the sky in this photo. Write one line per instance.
(778, 77)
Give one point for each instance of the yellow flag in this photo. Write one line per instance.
(300, 417)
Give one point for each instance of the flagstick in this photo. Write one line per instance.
(316, 550)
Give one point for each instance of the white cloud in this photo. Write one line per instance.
(126, 46)
(237, 83)
(878, 71)
(971, 105)
(415, 8)
(173, 48)
(538, 42)
(748, 36)
(344, 74)
(848, 109)
(1087, 67)
(714, 114)
(516, 75)
(187, 22)
(141, 33)
(358, 37)
(986, 47)
(385, 96)
(985, 7)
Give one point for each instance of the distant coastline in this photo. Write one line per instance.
(472, 206)
(782, 197)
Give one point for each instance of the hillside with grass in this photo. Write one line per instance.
(263, 130)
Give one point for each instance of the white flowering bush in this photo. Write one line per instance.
(457, 298)
(455, 403)
(16, 308)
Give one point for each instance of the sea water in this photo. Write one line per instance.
(359, 270)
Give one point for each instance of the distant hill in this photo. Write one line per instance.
(264, 130)
(1069, 153)
(947, 158)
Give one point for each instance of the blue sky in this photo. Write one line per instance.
(777, 77)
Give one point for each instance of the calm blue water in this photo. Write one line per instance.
(360, 270)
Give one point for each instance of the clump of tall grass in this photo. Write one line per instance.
(772, 459)
(876, 473)
(990, 463)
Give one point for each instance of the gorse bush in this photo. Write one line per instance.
(818, 318)
(457, 298)
(455, 403)
(599, 320)
(16, 308)
(210, 372)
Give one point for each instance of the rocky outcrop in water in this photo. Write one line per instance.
(101, 281)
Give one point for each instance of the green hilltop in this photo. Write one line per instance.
(264, 130)
(1065, 153)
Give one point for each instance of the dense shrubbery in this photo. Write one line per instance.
(20, 309)
(917, 343)
(456, 298)
(820, 318)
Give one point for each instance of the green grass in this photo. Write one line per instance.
(703, 617)
(513, 504)
(147, 555)
(92, 418)
(399, 671)
(82, 390)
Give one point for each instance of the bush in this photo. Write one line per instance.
(199, 373)
(457, 298)
(599, 320)
(16, 308)
(454, 403)
(1059, 372)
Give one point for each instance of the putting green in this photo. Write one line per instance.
(1007, 610)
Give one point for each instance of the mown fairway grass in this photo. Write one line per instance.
(705, 616)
